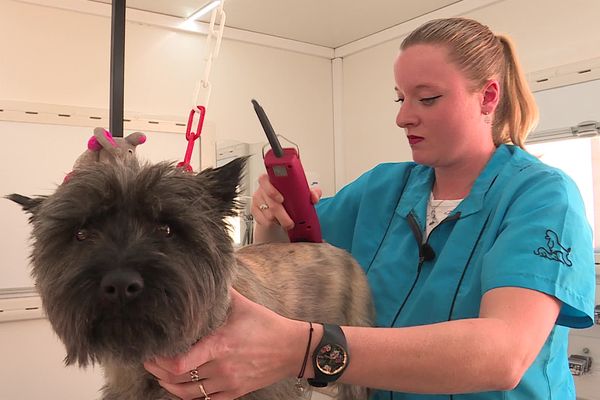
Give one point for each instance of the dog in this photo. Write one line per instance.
(134, 261)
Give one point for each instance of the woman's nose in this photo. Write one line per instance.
(405, 116)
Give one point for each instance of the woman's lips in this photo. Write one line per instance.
(412, 139)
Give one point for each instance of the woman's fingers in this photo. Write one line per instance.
(261, 209)
(315, 194)
(163, 374)
(267, 205)
(268, 189)
(192, 390)
(243, 355)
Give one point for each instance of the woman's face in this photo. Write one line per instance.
(441, 115)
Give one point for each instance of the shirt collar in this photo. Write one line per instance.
(420, 182)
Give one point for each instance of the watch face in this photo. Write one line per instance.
(331, 359)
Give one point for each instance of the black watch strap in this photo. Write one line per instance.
(330, 357)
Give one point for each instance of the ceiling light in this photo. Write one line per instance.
(205, 9)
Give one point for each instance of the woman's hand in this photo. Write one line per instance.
(267, 204)
(253, 349)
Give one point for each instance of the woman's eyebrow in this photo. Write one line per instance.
(421, 86)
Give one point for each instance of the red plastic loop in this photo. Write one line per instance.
(187, 167)
(192, 136)
(189, 135)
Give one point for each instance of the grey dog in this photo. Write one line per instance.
(134, 261)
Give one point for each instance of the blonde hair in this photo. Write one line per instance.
(481, 55)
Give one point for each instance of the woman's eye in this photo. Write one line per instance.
(165, 230)
(399, 100)
(430, 100)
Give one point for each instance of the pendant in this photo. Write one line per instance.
(432, 218)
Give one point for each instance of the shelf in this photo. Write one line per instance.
(20, 304)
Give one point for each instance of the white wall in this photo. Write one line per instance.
(569, 105)
(31, 365)
(369, 111)
(544, 33)
(62, 57)
(51, 56)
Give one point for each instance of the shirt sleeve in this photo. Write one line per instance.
(545, 244)
(338, 214)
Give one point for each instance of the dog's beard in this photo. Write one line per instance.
(159, 322)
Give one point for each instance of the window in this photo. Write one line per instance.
(580, 159)
(576, 148)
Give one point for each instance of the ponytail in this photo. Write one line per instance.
(517, 112)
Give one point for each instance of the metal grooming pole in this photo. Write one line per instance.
(117, 68)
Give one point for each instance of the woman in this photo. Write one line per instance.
(478, 255)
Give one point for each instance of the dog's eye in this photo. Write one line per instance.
(81, 235)
(165, 230)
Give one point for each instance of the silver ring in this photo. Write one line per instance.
(194, 375)
(206, 396)
(263, 207)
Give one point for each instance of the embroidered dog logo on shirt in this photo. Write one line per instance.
(554, 250)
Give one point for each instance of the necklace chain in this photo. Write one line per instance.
(433, 220)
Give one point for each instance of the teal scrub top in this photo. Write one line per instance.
(522, 225)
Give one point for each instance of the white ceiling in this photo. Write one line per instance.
(329, 23)
(555, 37)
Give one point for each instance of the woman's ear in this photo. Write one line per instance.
(490, 97)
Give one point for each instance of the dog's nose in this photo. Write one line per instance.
(121, 285)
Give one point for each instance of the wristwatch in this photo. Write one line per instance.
(330, 359)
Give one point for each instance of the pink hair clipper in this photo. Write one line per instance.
(287, 175)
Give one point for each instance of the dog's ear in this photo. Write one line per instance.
(223, 183)
(28, 204)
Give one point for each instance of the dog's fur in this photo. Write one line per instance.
(162, 230)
